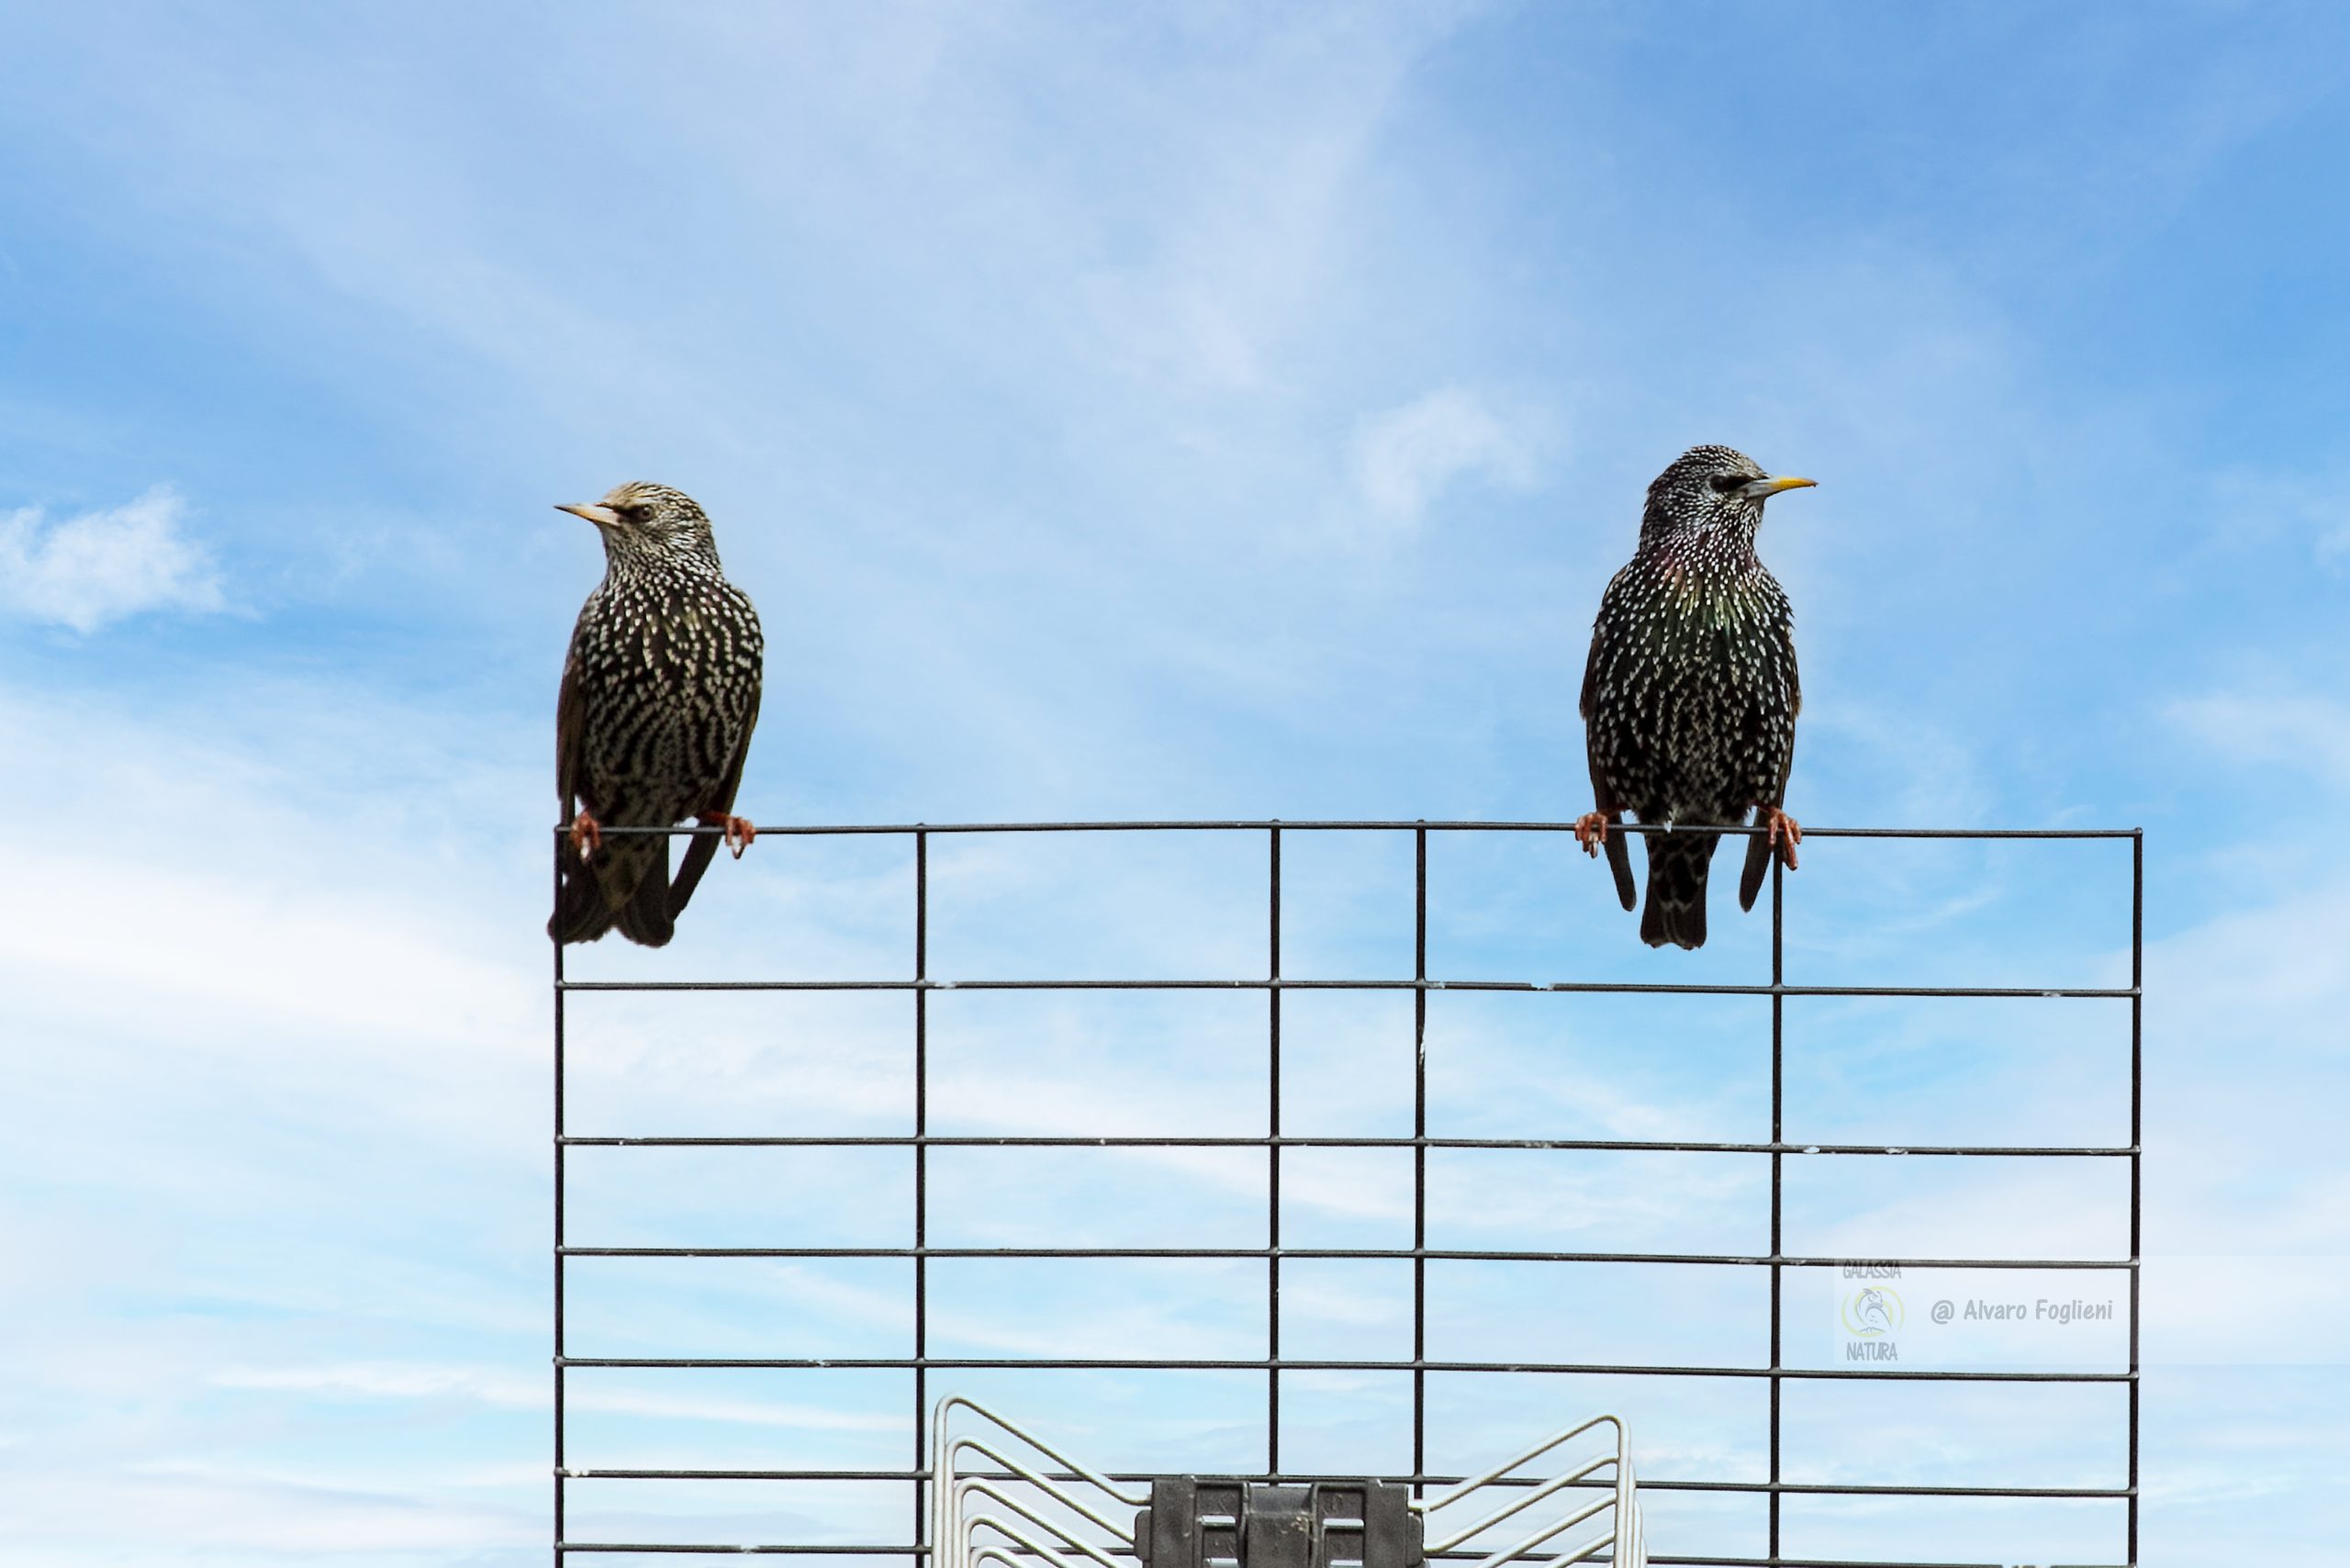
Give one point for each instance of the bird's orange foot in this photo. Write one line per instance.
(587, 834)
(738, 832)
(1785, 833)
(1591, 832)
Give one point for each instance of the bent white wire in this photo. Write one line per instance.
(953, 1527)
(1625, 1538)
(960, 1513)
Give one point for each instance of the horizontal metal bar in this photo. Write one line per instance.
(1568, 988)
(590, 1472)
(1293, 1478)
(1402, 1254)
(1715, 1560)
(791, 1550)
(1175, 1140)
(1826, 1489)
(1384, 824)
(1108, 1363)
(1466, 1555)
(1661, 1558)
(1711, 1561)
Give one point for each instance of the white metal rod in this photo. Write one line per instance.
(1545, 1446)
(1525, 1500)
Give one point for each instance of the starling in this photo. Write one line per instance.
(660, 690)
(1690, 697)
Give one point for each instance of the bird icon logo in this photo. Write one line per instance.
(1871, 1311)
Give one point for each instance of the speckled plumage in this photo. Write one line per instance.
(1691, 694)
(660, 693)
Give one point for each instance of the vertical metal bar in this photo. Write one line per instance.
(2137, 1130)
(559, 1209)
(1273, 1163)
(921, 1174)
(1778, 1136)
(1419, 1155)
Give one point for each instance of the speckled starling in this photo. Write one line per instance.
(660, 691)
(1690, 696)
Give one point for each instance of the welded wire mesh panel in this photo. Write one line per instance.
(1366, 1150)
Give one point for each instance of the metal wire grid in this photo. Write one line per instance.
(920, 1141)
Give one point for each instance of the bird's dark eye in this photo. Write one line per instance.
(1724, 483)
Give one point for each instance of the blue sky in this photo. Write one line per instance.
(1214, 411)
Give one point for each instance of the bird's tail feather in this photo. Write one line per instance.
(1676, 903)
(700, 850)
(646, 917)
(585, 908)
(581, 912)
(1758, 860)
(1619, 861)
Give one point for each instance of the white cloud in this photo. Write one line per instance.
(186, 1515)
(491, 1386)
(2237, 1309)
(2294, 729)
(1406, 457)
(102, 566)
(2254, 505)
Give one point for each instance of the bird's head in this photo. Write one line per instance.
(638, 518)
(1708, 488)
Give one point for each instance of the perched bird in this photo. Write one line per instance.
(1690, 697)
(660, 691)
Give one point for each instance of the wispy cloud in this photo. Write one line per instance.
(495, 1385)
(2257, 505)
(1405, 457)
(2303, 730)
(94, 567)
(82, 1517)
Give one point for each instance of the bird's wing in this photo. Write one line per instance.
(580, 914)
(703, 847)
(570, 733)
(1602, 651)
(1609, 632)
(1591, 665)
(1786, 650)
(1758, 847)
(1618, 847)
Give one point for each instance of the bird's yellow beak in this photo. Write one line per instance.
(1762, 487)
(605, 517)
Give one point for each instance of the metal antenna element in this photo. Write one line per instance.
(1048, 1508)
(960, 1520)
(1619, 1506)
(1194, 1521)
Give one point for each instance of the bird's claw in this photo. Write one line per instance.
(1591, 832)
(587, 834)
(1785, 834)
(736, 832)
